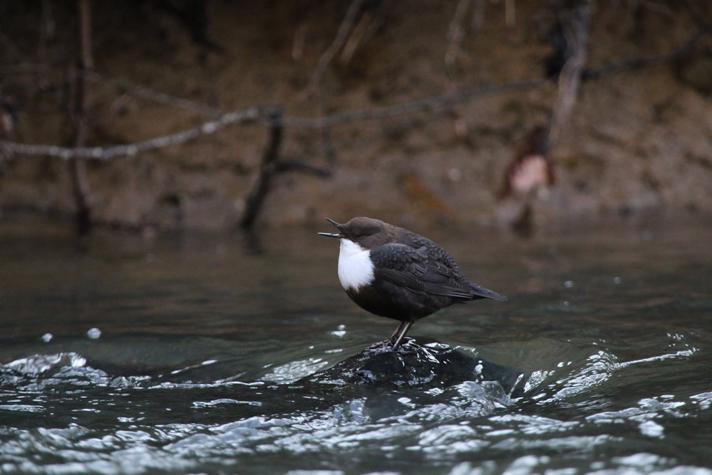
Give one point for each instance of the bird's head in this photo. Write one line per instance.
(366, 232)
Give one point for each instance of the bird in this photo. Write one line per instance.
(395, 273)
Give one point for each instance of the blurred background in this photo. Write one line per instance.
(185, 114)
(166, 341)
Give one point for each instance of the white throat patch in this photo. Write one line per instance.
(355, 266)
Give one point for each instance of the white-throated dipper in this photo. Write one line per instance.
(396, 273)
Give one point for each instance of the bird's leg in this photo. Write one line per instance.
(405, 327)
(395, 333)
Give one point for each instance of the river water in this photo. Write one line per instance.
(192, 354)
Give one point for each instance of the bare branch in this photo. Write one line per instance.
(456, 33)
(250, 115)
(271, 166)
(435, 104)
(146, 93)
(342, 35)
(268, 168)
(365, 27)
(646, 61)
(576, 29)
(77, 169)
(85, 46)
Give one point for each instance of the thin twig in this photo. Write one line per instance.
(342, 34)
(149, 94)
(433, 104)
(365, 27)
(456, 33)
(268, 168)
(576, 29)
(252, 115)
(646, 61)
(129, 150)
(77, 168)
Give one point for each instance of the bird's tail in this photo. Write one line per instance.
(481, 292)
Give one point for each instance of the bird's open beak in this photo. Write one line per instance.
(332, 235)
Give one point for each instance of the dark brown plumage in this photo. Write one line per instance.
(396, 273)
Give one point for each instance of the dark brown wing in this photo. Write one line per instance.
(419, 271)
(434, 251)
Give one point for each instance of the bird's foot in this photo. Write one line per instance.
(389, 344)
(402, 345)
(380, 347)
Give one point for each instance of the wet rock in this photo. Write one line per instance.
(428, 364)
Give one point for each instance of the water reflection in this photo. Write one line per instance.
(213, 359)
